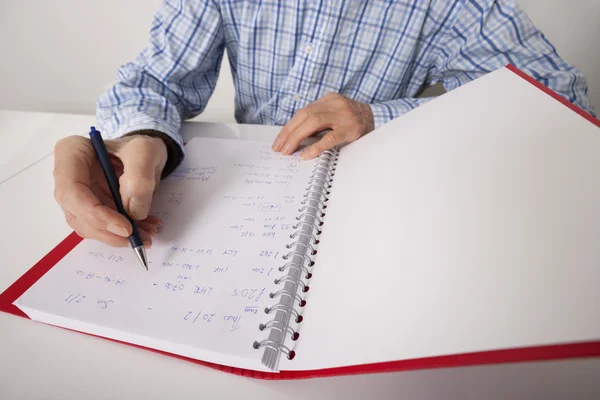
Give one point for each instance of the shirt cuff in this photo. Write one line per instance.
(388, 110)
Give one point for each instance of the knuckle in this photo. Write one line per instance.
(68, 142)
(81, 233)
(79, 227)
(302, 113)
(350, 118)
(314, 120)
(60, 195)
(90, 218)
(137, 181)
(332, 138)
(345, 103)
(59, 145)
(338, 100)
(71, 220)
(355, 136)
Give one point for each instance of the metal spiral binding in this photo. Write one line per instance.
(298, 263)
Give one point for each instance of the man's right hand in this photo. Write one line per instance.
(81, 189)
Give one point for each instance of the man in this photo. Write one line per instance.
(345, 66)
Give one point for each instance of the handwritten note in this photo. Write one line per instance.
(228, 213)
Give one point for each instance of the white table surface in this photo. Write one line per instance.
(43, 362)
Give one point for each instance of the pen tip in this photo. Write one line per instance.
(140, 251)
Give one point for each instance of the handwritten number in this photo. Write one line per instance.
(205, 316)
(76, 298)
(197, 316)
(104, 303)
(249, 293)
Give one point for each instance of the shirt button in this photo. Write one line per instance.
(309, 49)
(297, 96)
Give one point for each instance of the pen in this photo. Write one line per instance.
(113, 184)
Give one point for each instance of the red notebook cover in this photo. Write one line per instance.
(538, 353)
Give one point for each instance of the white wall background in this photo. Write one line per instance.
(59, 55)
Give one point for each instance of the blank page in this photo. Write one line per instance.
(228, 211)
(471, 223)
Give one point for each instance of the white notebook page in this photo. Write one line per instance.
(228, 212)
(469, 224)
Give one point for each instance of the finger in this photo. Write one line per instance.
(86, 231)
(72, 159)
(151, 224)
(146, 238)
(79, 200)
(314, 123)
(327, 142)
(155, 220)
(72, 192)
(151, 229)
(291, 125)
(298, 118)
(143, 159)
(105, 198)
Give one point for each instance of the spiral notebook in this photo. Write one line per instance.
(463, 233)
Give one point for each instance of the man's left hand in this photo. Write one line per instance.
(346, 121)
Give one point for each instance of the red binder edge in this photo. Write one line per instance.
(537, 353)
(555, 95)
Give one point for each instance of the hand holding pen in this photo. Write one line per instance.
(82, 190)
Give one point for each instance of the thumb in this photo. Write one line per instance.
(143, 160)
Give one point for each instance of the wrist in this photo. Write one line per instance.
(367, 117)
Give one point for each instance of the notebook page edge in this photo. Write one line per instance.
(140, 340)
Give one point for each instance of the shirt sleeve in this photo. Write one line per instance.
(486, 35)
(388, 110)
(481, 36)
(172, 78)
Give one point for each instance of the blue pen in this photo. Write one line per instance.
(113, 184)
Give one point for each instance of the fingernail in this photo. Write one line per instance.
(137, 207)
(118, 230)
(287, 149)
(276, 145)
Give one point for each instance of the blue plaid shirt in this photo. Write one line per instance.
(287, 54)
